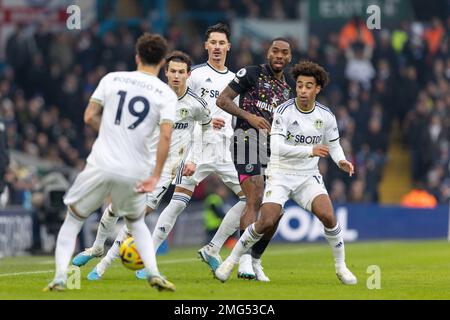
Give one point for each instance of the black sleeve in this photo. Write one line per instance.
(245, 79)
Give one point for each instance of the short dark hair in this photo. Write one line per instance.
(311, 69)
(151, 48)
(219, 27)
(179, 56)
(281, 39)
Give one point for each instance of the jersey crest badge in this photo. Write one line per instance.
(183, 113)
(318, 124)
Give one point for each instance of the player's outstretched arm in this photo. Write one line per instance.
(93, 115)
(338, 156)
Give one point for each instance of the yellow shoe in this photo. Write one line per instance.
(55, 285)
(160, 283)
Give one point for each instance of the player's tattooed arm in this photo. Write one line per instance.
(93, 114)
(226, 103)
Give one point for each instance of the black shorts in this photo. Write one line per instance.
(250, 154)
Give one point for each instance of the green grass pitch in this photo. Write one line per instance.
(409, 270)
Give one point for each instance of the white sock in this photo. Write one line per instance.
(228, 226)
(245, 242)
(105, 228)
(65, 245)
(336, 241)
(113, 252)
(168, 217)
(144, 244)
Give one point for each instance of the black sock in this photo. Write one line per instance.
(259, 248)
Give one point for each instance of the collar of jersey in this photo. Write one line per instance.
(272, 74)
(301, 111)
(185, 93)
(147, 73)
(221, 72)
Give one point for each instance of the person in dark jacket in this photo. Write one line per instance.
(4, 154)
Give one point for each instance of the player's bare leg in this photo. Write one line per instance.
(323, 210)
(253, 188)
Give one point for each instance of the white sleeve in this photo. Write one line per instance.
(280, 148)
(278, 135)
(168, 107)
(332, 139)
(202, 113)
(99, 94)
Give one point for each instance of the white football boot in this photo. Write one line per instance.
(245, 270)
(223, 272)
(258, 269)
(346, 276)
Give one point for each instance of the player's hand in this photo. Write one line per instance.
(189, 169)
(320, 151)
(259, 123)
(218, 123)
(346, 166)
(147, 185)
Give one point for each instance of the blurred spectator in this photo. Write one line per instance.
(214, 210)
(418, 197)
(359, 66)
(4, 154)
(355, 31)
(434, 35)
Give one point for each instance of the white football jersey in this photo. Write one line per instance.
(208, 83)
(300, 128)
(134, 104)
(190, 109)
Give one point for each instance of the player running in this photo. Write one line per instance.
(261, 88)
(126, 108)
(190, 109)
(303, 130)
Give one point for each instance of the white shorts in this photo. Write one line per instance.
(225, 170)
(93, 185)
(153, 199)
(300, 188)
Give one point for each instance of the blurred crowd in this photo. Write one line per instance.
(376, 77)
